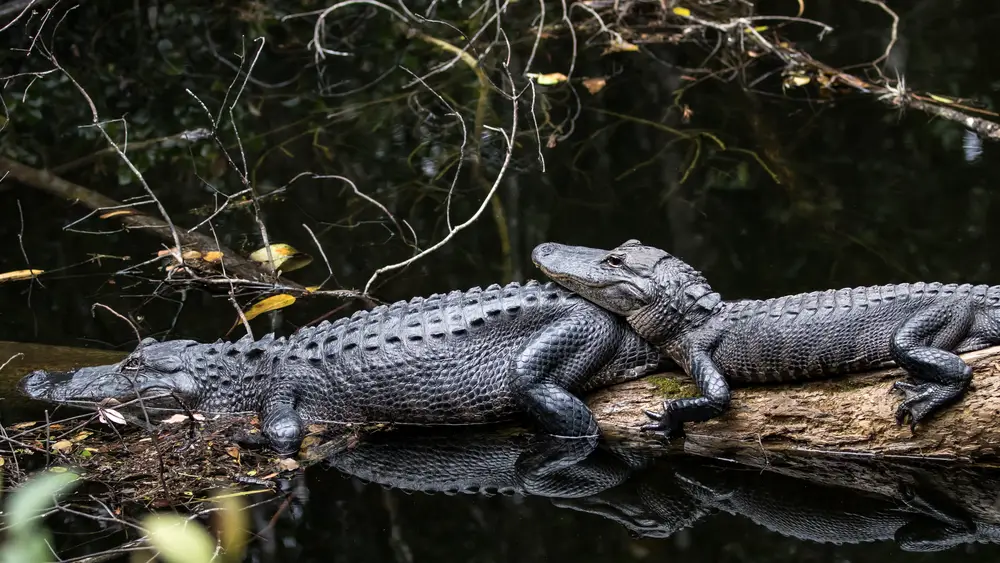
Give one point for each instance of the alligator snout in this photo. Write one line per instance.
(37, 384)
(541, 251)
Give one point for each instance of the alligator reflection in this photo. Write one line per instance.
(921, 507)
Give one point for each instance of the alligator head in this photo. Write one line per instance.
(201, 376)
(659, 294)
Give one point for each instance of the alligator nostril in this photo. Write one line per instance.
(543, 249)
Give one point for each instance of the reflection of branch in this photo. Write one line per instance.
(184, 136)
(800, 63)
(895, 29)
(482, 207)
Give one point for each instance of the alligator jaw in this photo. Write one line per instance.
(92, 385)
(600, 276)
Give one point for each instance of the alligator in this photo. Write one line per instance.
(920, 327)
(466, 357)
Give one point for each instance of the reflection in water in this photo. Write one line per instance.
(919, 508)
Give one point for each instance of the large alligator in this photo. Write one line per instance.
(473, 357)
(921, 327)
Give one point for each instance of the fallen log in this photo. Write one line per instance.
(852, 414)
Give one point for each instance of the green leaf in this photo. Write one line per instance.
(178, 539)
(34, 497)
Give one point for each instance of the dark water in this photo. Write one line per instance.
(865, 194)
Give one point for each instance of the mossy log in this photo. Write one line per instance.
(853, 414)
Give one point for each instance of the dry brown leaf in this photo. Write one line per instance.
(620, 46)
(234, 452)
(288, 464)
(22, 425)
(19, 275)
(595, 85)
(191, 255)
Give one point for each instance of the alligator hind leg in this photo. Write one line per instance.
(921, 346)
(564, 356)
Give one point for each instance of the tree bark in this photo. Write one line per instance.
(853, 414)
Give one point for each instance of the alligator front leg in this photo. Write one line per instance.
(561, 357)
(281, 426)
(920, 346)
(714, 399)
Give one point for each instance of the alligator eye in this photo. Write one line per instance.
(614, 261)
(132, 363)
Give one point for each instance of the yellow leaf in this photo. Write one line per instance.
(191, 255)
(595, 85)
(62, 446)
(1, 461)
(232, 524)
(19, 275)
(941, 99)
(213, 256)
(286, 257)
(179, 540)
(312, 288)
(279, 249)
(550, 79)
(272, 303)
(683, 12)
(118, 213)
(22, 425)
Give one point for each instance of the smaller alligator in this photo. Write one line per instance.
(474, 357)
(921, 327)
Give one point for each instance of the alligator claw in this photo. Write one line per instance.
(664, 423)
(918, 402)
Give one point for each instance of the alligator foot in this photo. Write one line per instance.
(937, 524)
(667, 422)
(922, 399)
(250, 441)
